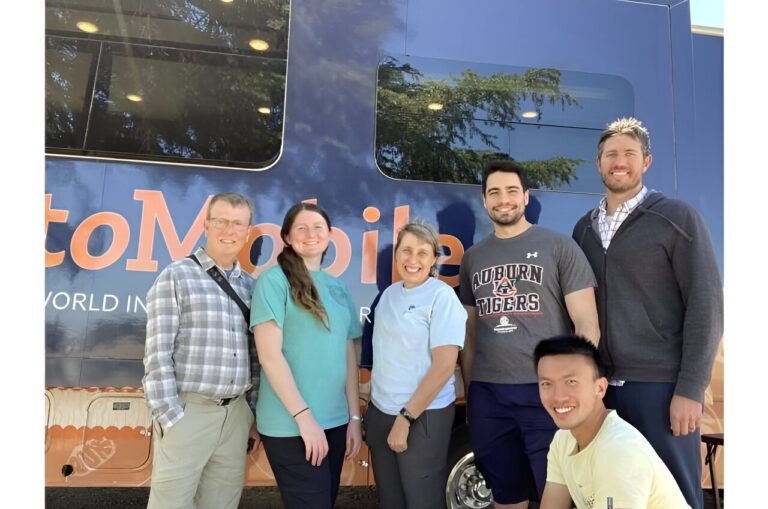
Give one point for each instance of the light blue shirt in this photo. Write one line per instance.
(409, 323)
(316, 356)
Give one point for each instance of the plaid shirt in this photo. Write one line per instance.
(608, 225)
(197, 338)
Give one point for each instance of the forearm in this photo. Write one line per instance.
(162, 396)
(698, 277)
(468, 352)
(589, 329)
(159, 382)
(281, 379)
(702, 332)
(269, 344)
(352, 388)
(582, 309)
(467, 359)
(442, 369)
(699, 352)
(556, 496)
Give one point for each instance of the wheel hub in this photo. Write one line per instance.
(468, 486)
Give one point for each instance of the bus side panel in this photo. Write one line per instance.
(702, 186)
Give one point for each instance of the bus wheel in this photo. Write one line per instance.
(465, 487)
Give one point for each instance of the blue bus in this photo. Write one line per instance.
(379, 111)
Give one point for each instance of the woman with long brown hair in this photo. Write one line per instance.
(303, 319)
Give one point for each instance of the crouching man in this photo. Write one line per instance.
(596, 459)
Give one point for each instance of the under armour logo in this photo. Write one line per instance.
(533, 255)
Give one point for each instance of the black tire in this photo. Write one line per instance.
(465, 488)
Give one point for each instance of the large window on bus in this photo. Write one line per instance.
(185, 81)
(441, 120)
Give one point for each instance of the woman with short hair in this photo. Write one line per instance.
(418, 331)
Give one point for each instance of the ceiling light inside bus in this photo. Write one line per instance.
(87, 26)
(264, 110)
(134, 97)
(530, 114)
(435, 106)
(258, 44)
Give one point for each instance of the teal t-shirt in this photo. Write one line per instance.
(316, 356)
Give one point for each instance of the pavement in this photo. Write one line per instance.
(253, 498)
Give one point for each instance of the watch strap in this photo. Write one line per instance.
(408, 417)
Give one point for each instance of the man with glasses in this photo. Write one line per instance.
(198, 368)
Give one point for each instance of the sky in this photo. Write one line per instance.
(707, 13)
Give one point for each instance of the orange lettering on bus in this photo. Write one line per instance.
(270, 230)
(342, 245)
(370, 247)
(121, 234)
(402, 216)
(343, 252)
(154, 208)
(53, 216)
(456, 249)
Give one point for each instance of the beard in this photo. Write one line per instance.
(507, 218)
(622, 187)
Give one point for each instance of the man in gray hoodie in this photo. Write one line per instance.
(659, 300)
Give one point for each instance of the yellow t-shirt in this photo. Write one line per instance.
(618, 463)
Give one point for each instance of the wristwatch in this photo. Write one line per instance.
(408, 417)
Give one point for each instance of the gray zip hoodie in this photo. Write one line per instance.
(659, 295)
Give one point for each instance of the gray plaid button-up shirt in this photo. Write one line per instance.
(197, 338)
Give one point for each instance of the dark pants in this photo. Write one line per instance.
(645, 405)
(301, 484)
(415, 478)
(510, 432)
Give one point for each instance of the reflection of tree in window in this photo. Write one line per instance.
(67, 67)
(425, 127)
(189, 23)
(176, 79)
(193, 105)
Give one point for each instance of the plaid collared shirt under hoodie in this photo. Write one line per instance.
(197, 338)
(609, 225)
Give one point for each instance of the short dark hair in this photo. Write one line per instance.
(506, 166)
(569, 344)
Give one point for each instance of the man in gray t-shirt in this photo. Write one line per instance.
(521, 284)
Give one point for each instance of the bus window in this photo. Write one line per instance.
(440, 120)
(181, 81)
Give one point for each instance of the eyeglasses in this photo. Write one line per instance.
(222, 224)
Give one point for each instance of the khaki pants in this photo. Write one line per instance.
(200, 461)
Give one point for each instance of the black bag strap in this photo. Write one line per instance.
(217, 276)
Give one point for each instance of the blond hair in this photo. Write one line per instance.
(629, 126)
